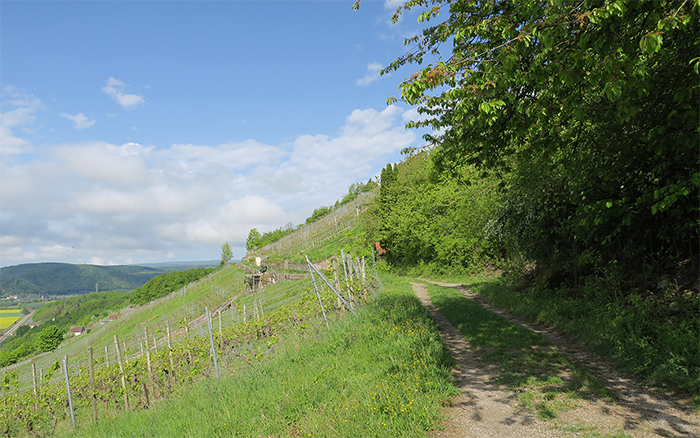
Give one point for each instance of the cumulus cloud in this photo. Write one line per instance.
(97, 201)
(104, 163)
(22, 115)
(115, 88)
(373, 74)
(80, 121)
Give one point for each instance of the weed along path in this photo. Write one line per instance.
(515, 382)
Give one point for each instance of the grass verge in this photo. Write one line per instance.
(385, 373)
(655, 339)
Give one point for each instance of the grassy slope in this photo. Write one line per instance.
(385, 373)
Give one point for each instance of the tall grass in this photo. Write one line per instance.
(385, 373)
(657, 339)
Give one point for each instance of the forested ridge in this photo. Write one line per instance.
(162, 285)
(32, 280)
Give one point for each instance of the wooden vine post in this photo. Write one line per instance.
(211, 341)
(347, 283)
(337, 281)
(70, 399)
(148, 354)
(320, 302)
(121, 370)
(171, 376)
(36, 392)
(91, 367)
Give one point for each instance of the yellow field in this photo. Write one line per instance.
(6, 321)
(17, 311)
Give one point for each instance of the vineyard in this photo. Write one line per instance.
(171, 342)
(340, 220)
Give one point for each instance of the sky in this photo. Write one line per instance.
(153, 131)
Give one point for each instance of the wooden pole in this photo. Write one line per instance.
(170, 351)
(145, 340)
(119, 354)
(92, 384)
(337, 294)
(36, 392)
(363, 267)
(211, 341)
(121, 370)
(320, 302)
(345, 269)
(337, 281)
(70, 399)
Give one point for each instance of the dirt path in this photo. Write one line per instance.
(484, 409)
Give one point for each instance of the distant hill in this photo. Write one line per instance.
(182, 266)
(32, 280)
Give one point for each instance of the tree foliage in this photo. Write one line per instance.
(318, 214)
(586, 110)
(162, 285)
(355, 190)
(226, 254)
(253, 241)
(49, 338)
(438, 223)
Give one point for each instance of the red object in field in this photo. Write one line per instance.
(379, 248)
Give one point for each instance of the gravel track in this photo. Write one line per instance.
(484, 409)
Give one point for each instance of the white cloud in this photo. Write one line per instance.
(373, 74)
(104, 163)
(115, 89)
(22, 115)
(80, 120)
(98, 201)
(412, 115)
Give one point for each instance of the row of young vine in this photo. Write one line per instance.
(101, 387)
(308, 236)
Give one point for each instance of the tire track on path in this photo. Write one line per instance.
(484, 409)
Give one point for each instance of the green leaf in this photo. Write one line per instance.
(651, 43)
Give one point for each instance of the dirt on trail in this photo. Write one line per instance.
(486, 409)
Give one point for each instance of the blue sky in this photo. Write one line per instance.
(134, 132)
